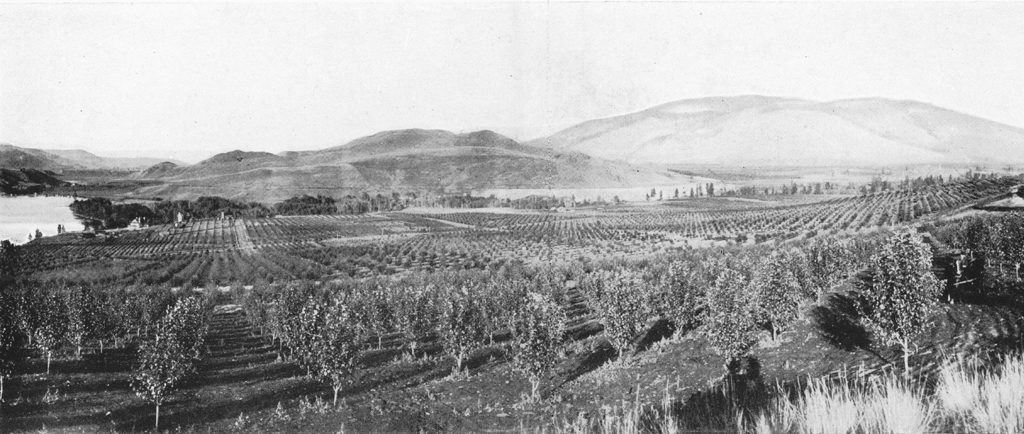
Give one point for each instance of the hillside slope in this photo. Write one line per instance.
(404, 160)
(14, 157)
(768, 131)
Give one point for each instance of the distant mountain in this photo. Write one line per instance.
(404, 160)
(767, 131)
(14, 157)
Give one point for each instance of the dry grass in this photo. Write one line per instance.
(983, 400)
(969, 397)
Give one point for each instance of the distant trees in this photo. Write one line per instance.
(110, 214)
(307, 205)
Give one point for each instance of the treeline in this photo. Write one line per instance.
(207, 207)
(120, 215)
(109, 214)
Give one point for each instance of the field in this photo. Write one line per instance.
(434, 301)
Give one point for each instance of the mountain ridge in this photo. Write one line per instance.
(16, 157)
(398, 160)
(775, 131)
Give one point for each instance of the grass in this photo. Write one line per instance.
(964, 396)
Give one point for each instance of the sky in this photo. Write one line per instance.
(187, 81)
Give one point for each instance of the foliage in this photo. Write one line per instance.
(336, 345)
(172, 353)
(896, 303)
(307, 205)
(777, 291)
(462, 322)
(729, 321)
(618, 297)
(829, 262)
(537, 333)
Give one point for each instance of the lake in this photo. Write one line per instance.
(21, 215)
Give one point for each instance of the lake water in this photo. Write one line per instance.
(20, 215)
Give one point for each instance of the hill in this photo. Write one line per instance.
(768, 131)
(27, 181)
(14, 157)
(404, 160)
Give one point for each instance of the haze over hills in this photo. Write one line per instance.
(14, 157)
(769, 131)
(403, 160)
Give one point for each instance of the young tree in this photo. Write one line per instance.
(337, 345)
(729, 320)
(160, 367)
(462, 323)
(172, 353)
(618, 296)
(683, 299)
(538, 328)
(415, 307)
(902, 289)
(777, 291)
(9, 330)
(829, 262)
(50, 330)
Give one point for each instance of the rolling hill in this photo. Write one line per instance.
(404, 160)
(14, 157)
(768, 131)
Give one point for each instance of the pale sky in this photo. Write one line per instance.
(188, 81)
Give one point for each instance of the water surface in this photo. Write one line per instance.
(21, 215)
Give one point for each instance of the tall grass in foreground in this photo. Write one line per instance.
(966, 396)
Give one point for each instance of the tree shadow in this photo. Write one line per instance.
(586, 362)
(742, 391)
(838, 323)
(660, 330)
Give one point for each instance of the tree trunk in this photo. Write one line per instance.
(380, 340)
(48, 355)
(1016, 270)
(906, 358)
(1, 387)
(156, 426)
(336, 388)
(101, 346)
